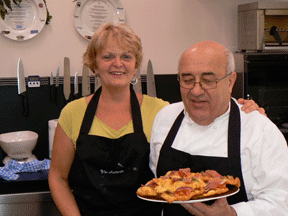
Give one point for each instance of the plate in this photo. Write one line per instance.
(24, 22)
(89, 15)
(231, 192)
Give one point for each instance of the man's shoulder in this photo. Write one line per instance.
(172, 109)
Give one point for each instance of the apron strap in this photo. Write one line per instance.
(234, 146)
(92, 107)
(90, 112)
(136, 112)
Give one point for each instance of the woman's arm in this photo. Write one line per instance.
(250, 105)
(61, 161)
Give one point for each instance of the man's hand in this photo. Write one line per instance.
(250, 105)
(219, 208)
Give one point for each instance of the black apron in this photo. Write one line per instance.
(106, 173)
(172, 159)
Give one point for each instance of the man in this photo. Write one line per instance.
(207, 131)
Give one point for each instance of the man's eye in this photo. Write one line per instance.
(188, 80)
(208, 80)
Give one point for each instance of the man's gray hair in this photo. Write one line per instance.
(230, 62)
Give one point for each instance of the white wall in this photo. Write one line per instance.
(166, 27)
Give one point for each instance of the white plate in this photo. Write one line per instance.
(24, 22)
(90, 14)
(227, 194)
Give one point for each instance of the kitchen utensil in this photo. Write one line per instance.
(151, 89)
(52, 88)
(76, 87)
(97, 83)
(19, 145)
(137, 86)
(22, 87)
(85, 81)
(67, 83)
(276, 35)
(57, 87)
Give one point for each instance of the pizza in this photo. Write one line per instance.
(183, 185)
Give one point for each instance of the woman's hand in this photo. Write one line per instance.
(250, 105)
(218, 208)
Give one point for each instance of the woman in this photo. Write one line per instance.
(100, 148)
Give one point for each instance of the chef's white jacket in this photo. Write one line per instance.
(264, 154)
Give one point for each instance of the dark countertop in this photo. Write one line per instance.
(28, 182)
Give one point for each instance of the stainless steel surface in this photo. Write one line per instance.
(255, 21)
(21, 77)
(262, 5)
(22, 87)
(85, 81)
(97, 83)
(151, 89)
(137, 86)
(32, 204)
(67, 83)
(76, 87)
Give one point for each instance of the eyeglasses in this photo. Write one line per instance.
(205, 84)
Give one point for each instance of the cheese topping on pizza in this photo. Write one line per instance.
(182, 185)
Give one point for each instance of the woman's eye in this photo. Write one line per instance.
(107, 57)
(126, 56)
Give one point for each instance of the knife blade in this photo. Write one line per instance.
(151, 89)
(22, 87)
(52, 88)
(97, 83)
(67, 82)
(57, 87)
(137, 86)
(85, 81)
(76, 90)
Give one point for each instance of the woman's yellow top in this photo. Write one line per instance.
(73, 113)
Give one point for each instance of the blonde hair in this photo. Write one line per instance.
(124, 36)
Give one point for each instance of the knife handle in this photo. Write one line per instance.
(52, 93)
(76, 96)
(56, 95)
(25, 104)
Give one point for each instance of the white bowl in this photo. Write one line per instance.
(19, 144)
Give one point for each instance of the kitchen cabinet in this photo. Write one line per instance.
(32, 204)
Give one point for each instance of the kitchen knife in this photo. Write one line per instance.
(97, 83)
(67, 82)
(151, 89)
(57, 87)
(85, 81)
(137, 86)
(52, 88)
(22, 87)
(76, 87)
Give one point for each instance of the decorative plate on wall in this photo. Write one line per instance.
(90, 14)
(24, 22)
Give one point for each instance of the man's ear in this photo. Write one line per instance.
(232, 80)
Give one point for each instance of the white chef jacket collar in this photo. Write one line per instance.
(187, 118)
